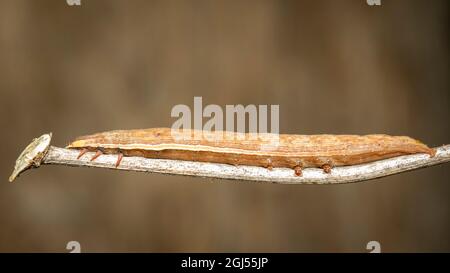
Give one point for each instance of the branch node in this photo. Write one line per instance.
(32, 155)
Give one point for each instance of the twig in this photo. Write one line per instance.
(39, 152)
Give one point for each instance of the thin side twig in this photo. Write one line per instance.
(49, 155)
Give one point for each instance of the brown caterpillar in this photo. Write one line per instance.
(293, 151)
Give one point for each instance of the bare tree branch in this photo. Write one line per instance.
(39, 152)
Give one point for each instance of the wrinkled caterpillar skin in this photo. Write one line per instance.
(292, 151)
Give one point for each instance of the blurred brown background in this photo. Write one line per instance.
(332, 66)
